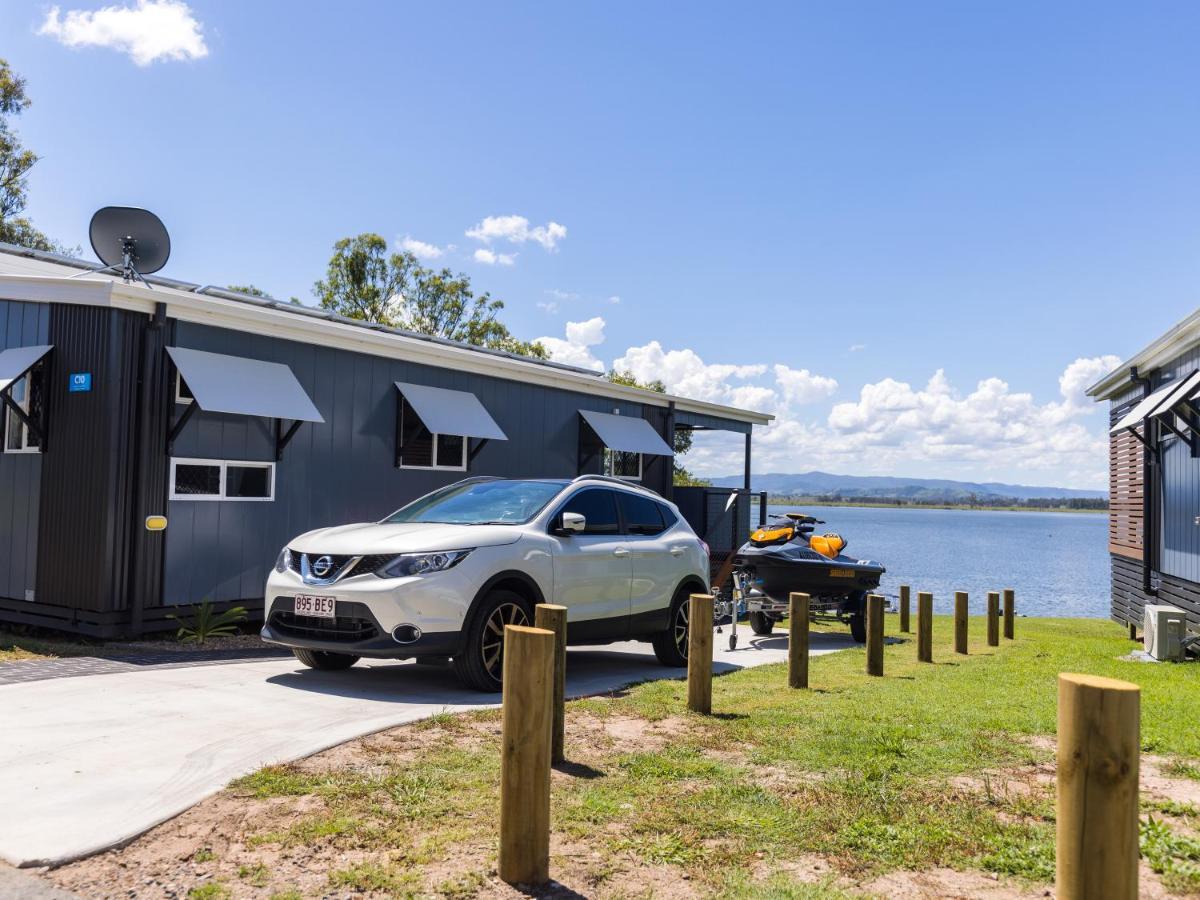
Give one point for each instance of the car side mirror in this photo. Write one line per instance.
(571, 523)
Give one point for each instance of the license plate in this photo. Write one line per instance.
(317, 607)
(841, 573)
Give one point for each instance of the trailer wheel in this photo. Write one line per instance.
(858, 628)
(761, 623)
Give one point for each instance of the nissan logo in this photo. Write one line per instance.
(322, 566)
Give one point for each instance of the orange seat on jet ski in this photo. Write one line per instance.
(827, 544)
(766, 536)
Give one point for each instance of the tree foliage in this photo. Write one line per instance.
(15, 163)
(364, 281)
(682, 442)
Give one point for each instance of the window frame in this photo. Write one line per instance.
(22, 429)
(610, 455)
(222, 466)
(434, 435)
(179, 398)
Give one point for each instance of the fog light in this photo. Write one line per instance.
(406, 634)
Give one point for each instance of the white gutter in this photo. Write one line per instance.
(219, 312)
(1177, 341)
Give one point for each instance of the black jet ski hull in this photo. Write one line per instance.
(780, 571)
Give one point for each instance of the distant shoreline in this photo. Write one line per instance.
(866, 504)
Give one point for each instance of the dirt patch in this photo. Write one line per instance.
(1164, 787)
(589, 735)
(948, 883)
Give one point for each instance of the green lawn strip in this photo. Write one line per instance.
(856, 769)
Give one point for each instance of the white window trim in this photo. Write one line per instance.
(641, 466)
(22, 430)
(179, 398)
(222, 465)
(466, 454)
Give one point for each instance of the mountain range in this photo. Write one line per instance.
(886, 487)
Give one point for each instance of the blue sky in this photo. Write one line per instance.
(896, 225)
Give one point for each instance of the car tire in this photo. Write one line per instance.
(481, 663)
(671, 645)
(761, 623)
(323, 660)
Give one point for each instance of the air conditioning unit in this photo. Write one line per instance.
(1164, 628)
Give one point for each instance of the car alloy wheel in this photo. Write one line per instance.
(492, 645)
(679, 628)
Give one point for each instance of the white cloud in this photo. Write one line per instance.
(421, 249)
(148, 31)
(516, 230)
(491, 258)
(561, 295)
(801, 386)
(684, 372)
(576, 349)
(549, 306)
(614, 299)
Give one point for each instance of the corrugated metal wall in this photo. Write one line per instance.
(21, 325)
(1179, 492)
(341, 471)
(86, 499)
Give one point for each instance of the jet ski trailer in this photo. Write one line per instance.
(785, 557)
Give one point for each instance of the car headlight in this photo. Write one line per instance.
(284, 562)
(421, 563)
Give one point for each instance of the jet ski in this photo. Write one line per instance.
(786, 556)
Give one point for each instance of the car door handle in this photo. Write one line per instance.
(621, 552)
(678, 551)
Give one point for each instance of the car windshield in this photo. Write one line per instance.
(481, 503)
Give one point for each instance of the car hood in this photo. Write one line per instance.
(380, 537)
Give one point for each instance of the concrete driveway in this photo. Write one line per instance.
(90, 762)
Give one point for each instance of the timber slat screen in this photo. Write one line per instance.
(1125, 525)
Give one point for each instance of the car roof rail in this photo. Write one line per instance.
(612, 479)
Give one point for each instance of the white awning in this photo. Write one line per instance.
(17, 361)
(1184, 390)
(245, 387)
(630, 434)
(1134, 417)
(451, 412)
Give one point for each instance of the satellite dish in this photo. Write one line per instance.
(129, 240)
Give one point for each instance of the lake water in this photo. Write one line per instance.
(1056, 562)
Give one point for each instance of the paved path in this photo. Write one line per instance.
(24, 671)
(90, 762)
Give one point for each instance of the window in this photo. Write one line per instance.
(220, 479)
(481, 502)
(642, 515)
(623, 464)
(27, 392)
(598, 507)
(422, 449)
(183, 393)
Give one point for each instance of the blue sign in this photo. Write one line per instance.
(80, 381)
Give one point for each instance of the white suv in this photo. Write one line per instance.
(442, 576)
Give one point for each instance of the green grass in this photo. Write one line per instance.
(1174, 856)
(857, 770)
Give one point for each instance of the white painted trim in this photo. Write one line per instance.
(96, 290)
(466, 456)
(179, 398)
(1174, 343)
(641, 467)
(221, 465)
(21, 428)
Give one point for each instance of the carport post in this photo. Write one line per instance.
(924, 627)
(905, 601)
(525, 755)
(553, 617)
(700, 653)
(960, 622)
(798, 640)
(874, 634)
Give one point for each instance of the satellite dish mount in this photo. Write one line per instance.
(129, 241)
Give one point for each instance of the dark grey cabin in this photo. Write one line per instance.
(246, 422)
(1154, 476)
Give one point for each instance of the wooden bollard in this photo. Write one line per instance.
(905, 596)
(1098, 745)
(960, 622)
(925, 627)
(993, 619)
(874, 634)
(798, 640)
(1010, 613)
(700, 653)
(553, 617)
(525, 755)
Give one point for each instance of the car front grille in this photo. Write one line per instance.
(340, 564)
(353, 626)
